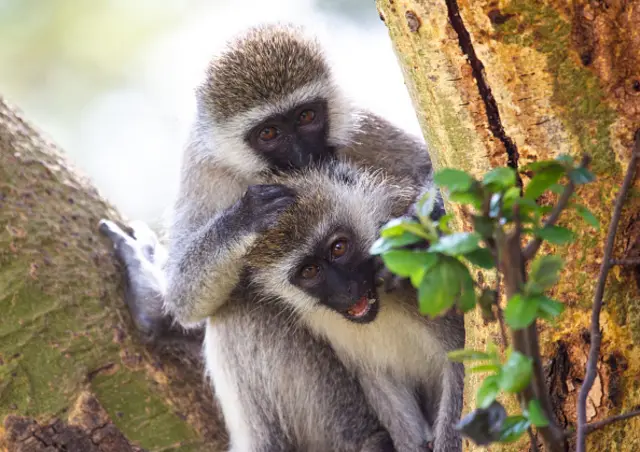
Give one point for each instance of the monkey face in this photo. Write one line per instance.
(341, 276)
(295, 139)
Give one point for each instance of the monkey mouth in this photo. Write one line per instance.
(365, 309)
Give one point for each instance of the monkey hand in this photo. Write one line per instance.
(261, 205)
(140, 253)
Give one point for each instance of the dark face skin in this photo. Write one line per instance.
(341, 276)
(295, 139)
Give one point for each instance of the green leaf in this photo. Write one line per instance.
(406, 262)
(456, 244)
(439, 288)
(453, 179)
(558, 189)
(520, 312)
(467, 299)
(443, 223)
(481, 257)
(542, 181)
(417, 276)
(548, 308)
(483, 225)
(544, 273)
(463, 354)
(467, 198)
(542, 165)
(555, 234)
(528, 206)
(494, 368)
(513, 428)
(488, 391)
(501, 178)
(536, 414)
(509, 198)
(384, 244)
(516, 373)
(425, 205)
(587, 216)
(398, 226)
(581, 176)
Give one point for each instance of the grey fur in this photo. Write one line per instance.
(284, 389)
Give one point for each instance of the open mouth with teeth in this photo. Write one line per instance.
(365, 309)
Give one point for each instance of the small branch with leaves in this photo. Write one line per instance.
(502, 217)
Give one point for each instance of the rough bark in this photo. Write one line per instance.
(510, 82)
(71, 372)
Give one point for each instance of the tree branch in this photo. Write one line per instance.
(532, 247)
(590, 428)
(596, 336)
(625, 262)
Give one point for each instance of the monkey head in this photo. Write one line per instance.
(269, 101)
(317, 254)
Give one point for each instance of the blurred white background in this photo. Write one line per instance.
(112, 81)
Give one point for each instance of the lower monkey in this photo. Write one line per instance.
(315, 262)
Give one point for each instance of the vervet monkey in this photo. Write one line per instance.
(315, 262)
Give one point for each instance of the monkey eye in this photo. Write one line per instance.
(310, 271)
(268, 133)
(339, 248)
(306, 117)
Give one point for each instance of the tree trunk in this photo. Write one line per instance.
(71, 372)
(499, 83)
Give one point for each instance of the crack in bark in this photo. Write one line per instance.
(477, 70)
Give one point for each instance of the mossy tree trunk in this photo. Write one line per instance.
(510, 82)
(67, 350)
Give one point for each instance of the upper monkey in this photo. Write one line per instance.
(268, 103)
(271, 102)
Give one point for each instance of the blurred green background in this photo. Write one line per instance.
(112, 81)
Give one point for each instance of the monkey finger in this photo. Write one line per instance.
(146, 238)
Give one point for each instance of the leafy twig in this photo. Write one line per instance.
(596, 335)
(526, 341)
(532, 247)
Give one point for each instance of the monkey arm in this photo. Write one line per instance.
(449, 409)
(399, 412)
(202, 274)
